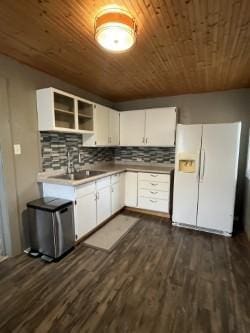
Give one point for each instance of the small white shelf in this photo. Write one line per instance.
(65, 111)
(81, 115)
(69, 130)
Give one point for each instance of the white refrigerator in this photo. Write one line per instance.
(206, 168)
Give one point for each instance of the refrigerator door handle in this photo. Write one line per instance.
(202, 166)
(198, 165)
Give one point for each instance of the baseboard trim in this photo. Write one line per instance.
(148, 212)
(211, 231)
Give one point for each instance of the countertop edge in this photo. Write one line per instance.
(56, 181)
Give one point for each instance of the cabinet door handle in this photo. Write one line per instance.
(153, 192)
(146, 140)
(143, 140)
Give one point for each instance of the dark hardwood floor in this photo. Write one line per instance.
(158, 279)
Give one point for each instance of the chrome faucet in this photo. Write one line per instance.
(70, 164)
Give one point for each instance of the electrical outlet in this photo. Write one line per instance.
(17, 149)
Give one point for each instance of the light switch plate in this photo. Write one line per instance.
(17, 149)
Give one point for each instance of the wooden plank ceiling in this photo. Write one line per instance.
(183, 46)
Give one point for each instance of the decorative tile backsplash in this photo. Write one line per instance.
(145, 154)
(54, 148)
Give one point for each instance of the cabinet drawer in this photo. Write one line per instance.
(153, 185)
(85, 189)
(158, 205)
(159, 177)
(153, 194)
(115, 178)
(102, 183)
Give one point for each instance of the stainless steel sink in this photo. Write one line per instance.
(79, 175)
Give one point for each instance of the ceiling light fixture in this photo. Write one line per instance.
(115, 30)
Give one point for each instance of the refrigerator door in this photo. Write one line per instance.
(218, 176)
(248, 158)
(186, 180)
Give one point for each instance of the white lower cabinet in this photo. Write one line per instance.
(153, 192)
(103, 204)
(85, 215)
(122, 189)
(157, 205)
(117, 192)
(115, 197)
(92, 203)
(131, 189)
(95, 202)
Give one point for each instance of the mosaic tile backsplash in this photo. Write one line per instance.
(145, 154)
(54, 148)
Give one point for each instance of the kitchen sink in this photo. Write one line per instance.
(79, 175)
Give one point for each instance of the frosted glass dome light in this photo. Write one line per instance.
(115, 31)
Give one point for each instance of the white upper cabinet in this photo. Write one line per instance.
(160, 127)
(106, 128)
(114, 127)
(151, 127)
(132, 128)
(101, 128)
(63, 112)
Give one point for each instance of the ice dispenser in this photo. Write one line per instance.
(187, 163)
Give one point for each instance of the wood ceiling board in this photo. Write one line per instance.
(183, 46)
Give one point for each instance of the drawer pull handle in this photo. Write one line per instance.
(154, 201)
(153, 192)
(154, 175)
(154, 184)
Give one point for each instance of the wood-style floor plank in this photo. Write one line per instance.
(158, 279)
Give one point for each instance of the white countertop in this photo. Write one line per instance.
(109, 170)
